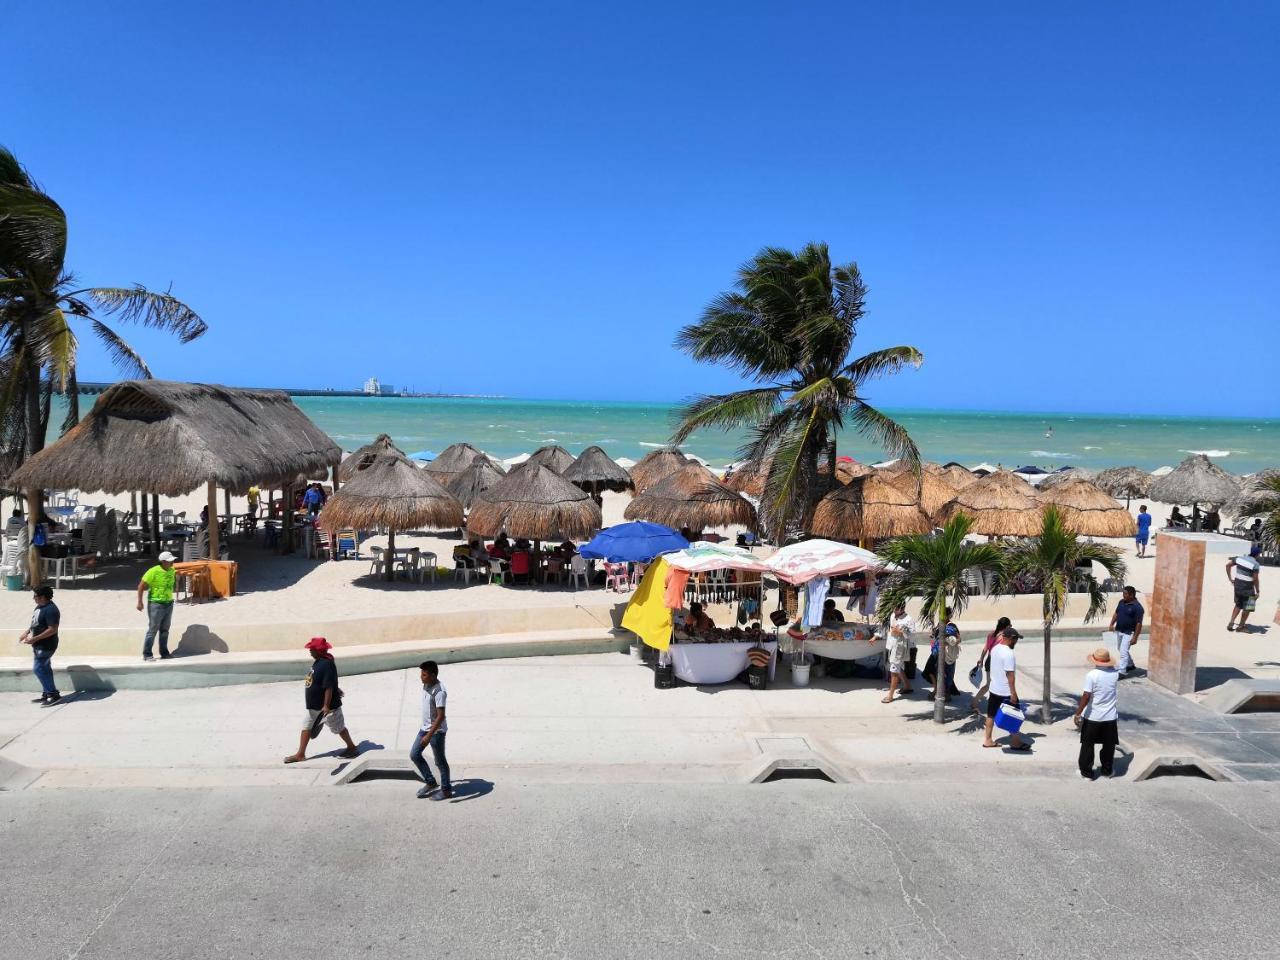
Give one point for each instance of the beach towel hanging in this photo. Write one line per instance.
(815, 597)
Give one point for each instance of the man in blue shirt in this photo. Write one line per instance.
(313, 499)
(1144, 530)
(1127, 622)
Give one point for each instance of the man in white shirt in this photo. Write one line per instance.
(1244, 574)
(1097, 714)
(898, 647)
(432, 734)
(1004, 687)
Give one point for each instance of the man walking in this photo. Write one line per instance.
(1097, 714)
(1126, 621)
(157, 583)
(1143, 536)
(323, 700)
(42, 636)
(432, 733)
(1245, 576)
(1004, 687)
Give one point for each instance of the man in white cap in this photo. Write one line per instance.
(157, 584)
(1097, 714)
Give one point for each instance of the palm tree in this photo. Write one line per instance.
(789, 328)
(1056, 558)
(39, 298)
(934, 568)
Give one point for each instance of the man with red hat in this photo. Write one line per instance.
(324, 701)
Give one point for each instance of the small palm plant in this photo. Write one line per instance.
(934, 568)
(1056, 558)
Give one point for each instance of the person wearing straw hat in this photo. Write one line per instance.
(158, 583)
(324, 702)
(1097, 714)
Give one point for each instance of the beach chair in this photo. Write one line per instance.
(616, 577)
(375, 561)
(191, 550)
(346, 544)
(972, 582)
(637, 573)
(578, 572)
(521, 567)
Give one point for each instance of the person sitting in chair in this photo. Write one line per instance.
(1211, 521)
(1176, 519)
(830, 614)
(698, 619)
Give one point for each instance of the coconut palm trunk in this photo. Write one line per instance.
(1046, 710)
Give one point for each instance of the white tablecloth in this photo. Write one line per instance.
(716, 662)
(845, 649)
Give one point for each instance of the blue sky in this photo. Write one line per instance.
(531, 199)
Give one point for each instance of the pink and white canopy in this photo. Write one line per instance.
(801, 562)
(702, 556)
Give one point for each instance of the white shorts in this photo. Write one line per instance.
(334, 721)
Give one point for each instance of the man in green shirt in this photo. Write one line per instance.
(157, 583)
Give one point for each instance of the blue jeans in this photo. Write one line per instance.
(437, 750)
(42, 667)
(159, 616)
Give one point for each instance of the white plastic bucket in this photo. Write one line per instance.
(637, 652)
(1009, 718)
(800, 674)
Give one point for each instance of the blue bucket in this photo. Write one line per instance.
(1009, 718)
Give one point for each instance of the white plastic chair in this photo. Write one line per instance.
(616, 577)
(578, 572)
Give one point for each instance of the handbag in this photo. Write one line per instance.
(975, 677)
(909, 668)
(1250, 605)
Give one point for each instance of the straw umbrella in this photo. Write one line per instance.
(365, 455)
(595, 472)
(848, 471)
(749, 478)
(552, 456)
(869, 508)
(1195, 480)
(931, 493)
(1256, 496)
(1000, 505)
(692, 498)
(656, 466)
(1089, 511)
(1127, 482)
(535, 503)
(1062, 476)
(474, 480)
(391, 492)
(453, 460)
(957, 476)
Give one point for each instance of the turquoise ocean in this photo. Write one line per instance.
(507, 427)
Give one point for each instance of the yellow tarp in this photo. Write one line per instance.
(647, 615)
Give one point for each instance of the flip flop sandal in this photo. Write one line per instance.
(1024, 748)
(294, 759)
(887, 700)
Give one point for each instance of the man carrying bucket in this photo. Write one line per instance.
(1004, 688)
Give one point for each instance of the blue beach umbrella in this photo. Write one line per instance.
(423, 455)
(637, 541)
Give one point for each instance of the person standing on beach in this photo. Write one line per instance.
(313, 499)
(42, 636)
(898, 648)
(432, 733)
(1004, 687)
(1097, 715)
(157, 584)
(1143, 536)
(1245, 574)
(324, 702)
(1126, 621)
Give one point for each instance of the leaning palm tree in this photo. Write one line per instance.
(39, 299)
(1054, 559)
(790, 327)
(934, 568)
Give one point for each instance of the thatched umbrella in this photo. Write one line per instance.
(365, 456)
(1062, 476)
(1090, 511)
(871, 508)
(453, 460)
(848, 471)
(957, 476)
(1000, 505)
(552, 456)
(391, 492)
(1127, 482)
(474, 480)
(1255, 496)
(931, 492)
(749, 478)
(595, 472)
(691, 498)
(657, 466)
(536, 503)
(1195, 480)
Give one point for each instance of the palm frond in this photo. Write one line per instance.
(72, 395)
(726, 410)
(33, 235)
(137, 304)
(881, 362)
(886, 432)
(127, 359)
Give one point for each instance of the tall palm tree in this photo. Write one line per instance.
(934, 568)
(789, 327)
(39, 299)
(1056, 558)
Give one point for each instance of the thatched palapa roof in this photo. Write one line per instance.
(869, 507)
(594, 472)
(536, 503)
(748, 478)
(1063, 476)
(391, 492)
(1090, 511)
(1124, 482)
(553, 456)
(453, 460)
(956, 476)
(691, 498)
(931, 493)
(1000, 505)
(1195, 480)
(657, 466)
(1255, 496)
(168, 438)
(474, 480)
(365, 456)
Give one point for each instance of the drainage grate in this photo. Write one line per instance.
(1260, 703)
(1178, 770)
(383, 774)
(797, 773)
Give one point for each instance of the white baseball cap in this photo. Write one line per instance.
(166, 557)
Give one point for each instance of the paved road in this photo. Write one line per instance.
(1168, 869)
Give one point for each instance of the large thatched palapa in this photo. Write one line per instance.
(474, 480)
(536, 503)
(1256, 495)
(956, 476)
(595, 472)
(1127, 482)
(553, 456)
(692, 498)
(453, 460)
(848, 471)
(657, 466)
(1065, 476)
(169, 438)
(748, 478)
(1000, 505)
(365, 455)
(1090, 511)
(933, 491)
(1195, 480)
(870, 508)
